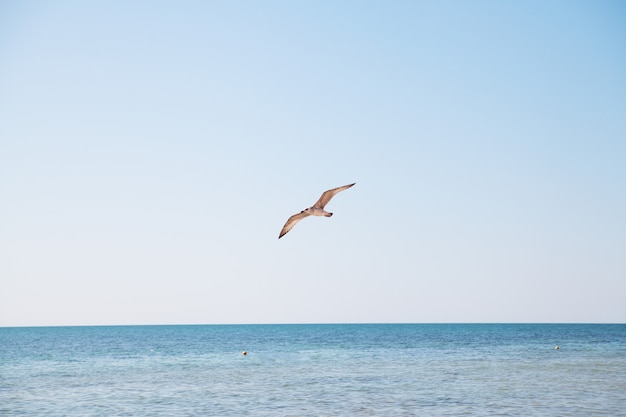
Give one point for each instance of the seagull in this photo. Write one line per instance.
(316, 209)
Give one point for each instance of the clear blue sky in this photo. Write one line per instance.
(150, 153)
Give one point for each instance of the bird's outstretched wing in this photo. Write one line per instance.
(327, 195)
(291, 222)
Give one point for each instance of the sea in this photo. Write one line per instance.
(315, 370)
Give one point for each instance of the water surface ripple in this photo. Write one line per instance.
(315, 370)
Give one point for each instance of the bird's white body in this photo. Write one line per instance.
(316, 209)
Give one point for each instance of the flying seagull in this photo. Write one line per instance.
(316, 209)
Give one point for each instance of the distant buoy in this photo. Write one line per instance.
(556, 347)
(244, 353)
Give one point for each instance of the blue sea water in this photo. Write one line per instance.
(315, 370)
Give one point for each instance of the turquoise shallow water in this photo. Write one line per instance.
(315, 370)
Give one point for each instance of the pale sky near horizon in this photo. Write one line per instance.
(150, 153)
